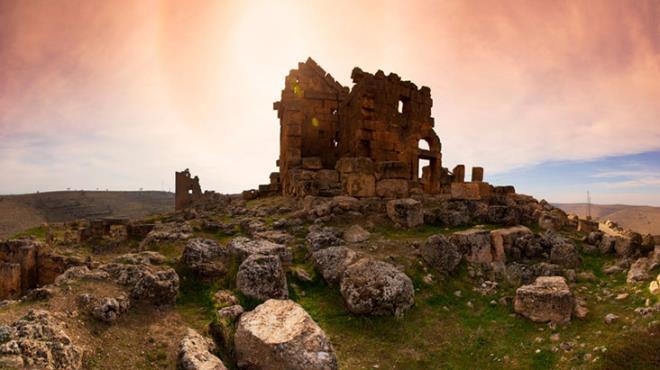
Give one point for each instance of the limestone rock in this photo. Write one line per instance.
(392, 188)
(319, 238)
(405, 212)
(141, 258)
(512, 243)
(205, 257)
(242, 248)
(356, 234)
(109, 309)
(439, 252)
(195, 353)
(280, 335)
(654, 287)
(376, 288)
(474, 244)
(262, 277)
(332, 262)
(562, 251)
(548, 299)
(159, 287)
(639, 271)
(38, 341)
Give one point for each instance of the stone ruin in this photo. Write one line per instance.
(187, 189)
(364, 142)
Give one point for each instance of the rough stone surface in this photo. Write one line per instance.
(639, 271)
(548, 299)
(512, 243)
(109, 309)
(280, 335)
(319, 238)
(332, 262)
(562, 251)
(195, 353)
(440, 253)
(262, 277)
(376, 288)
(356, 234)
(38, 341)
(405, 212)
(474, 244)
(159, 287)
(242, 248)
(205, 257)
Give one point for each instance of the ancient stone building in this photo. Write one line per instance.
(187, 189)
(366, 141)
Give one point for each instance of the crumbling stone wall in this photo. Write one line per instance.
(187, 189)
(367, 141)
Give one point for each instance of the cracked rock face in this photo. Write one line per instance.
(371, 287)
(332, 262)
(205, 257)
(38, 341)
(262, 277)
(279, 334)
(242, 248)
(441, 254)
(195, 353)
(548, 299)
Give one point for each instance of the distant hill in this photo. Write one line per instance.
(643, 219)
(20, 212)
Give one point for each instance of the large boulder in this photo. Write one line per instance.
(262, 277)
(106, 309)
(606, 245)
(440, 253)
(280, 335)
(405, 212)
(322, 237)
(548, 299)
(513, 243)
(38, 341)
(205, 257)
(332, 262)
(195, 353)
(373, 287)
(356, 234)
(242, 248)
(562, 251)
(474, 244)
(520, 273)
(552, 220)
(157, 287)
(627, 245)
(639, 271)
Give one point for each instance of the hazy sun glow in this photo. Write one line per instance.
(121, 94)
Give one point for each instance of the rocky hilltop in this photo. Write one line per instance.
(333, 282)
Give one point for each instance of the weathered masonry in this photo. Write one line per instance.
(376, 139)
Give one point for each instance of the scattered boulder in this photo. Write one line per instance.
(262, 277)
(224, 298)
(38, 340)
(356, 234)
(611, 318)
(158, 288)
(606, 245)
(639, 271)
(562, 251)
(319, 238)
(275, 236)
(141, 258)
(654, 287)
(520, 273)
(474, 244)
(205, 257)
(547, 299)
(405, 212)
(332, 262)
(513, 243)
(242, 248)
(440, 253)
(195, 353)
(167, 233)
(109, 309)
(373, 287)
(552, 220)
(627, 246)
(594, 237)
(279, 334)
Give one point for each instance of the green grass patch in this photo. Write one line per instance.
(38, 232)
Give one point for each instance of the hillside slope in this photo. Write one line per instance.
(643, 219)
(19, 212)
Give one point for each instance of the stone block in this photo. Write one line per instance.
(459, 173)
(355, 165)
(474, 244)
(586, 226)
(392, 188)
(548, 299)
(327, 176)
(10, 280)
(312, 163)
(392, 170)
(477, 174)
(359, 185)
(405, 212)
(470, 190)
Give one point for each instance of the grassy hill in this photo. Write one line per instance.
(20, 212)
(643, 219)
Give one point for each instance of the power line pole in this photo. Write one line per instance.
(588, 205)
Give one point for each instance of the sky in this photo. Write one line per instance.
(555, 97)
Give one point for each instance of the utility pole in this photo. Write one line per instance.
(588, 205)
